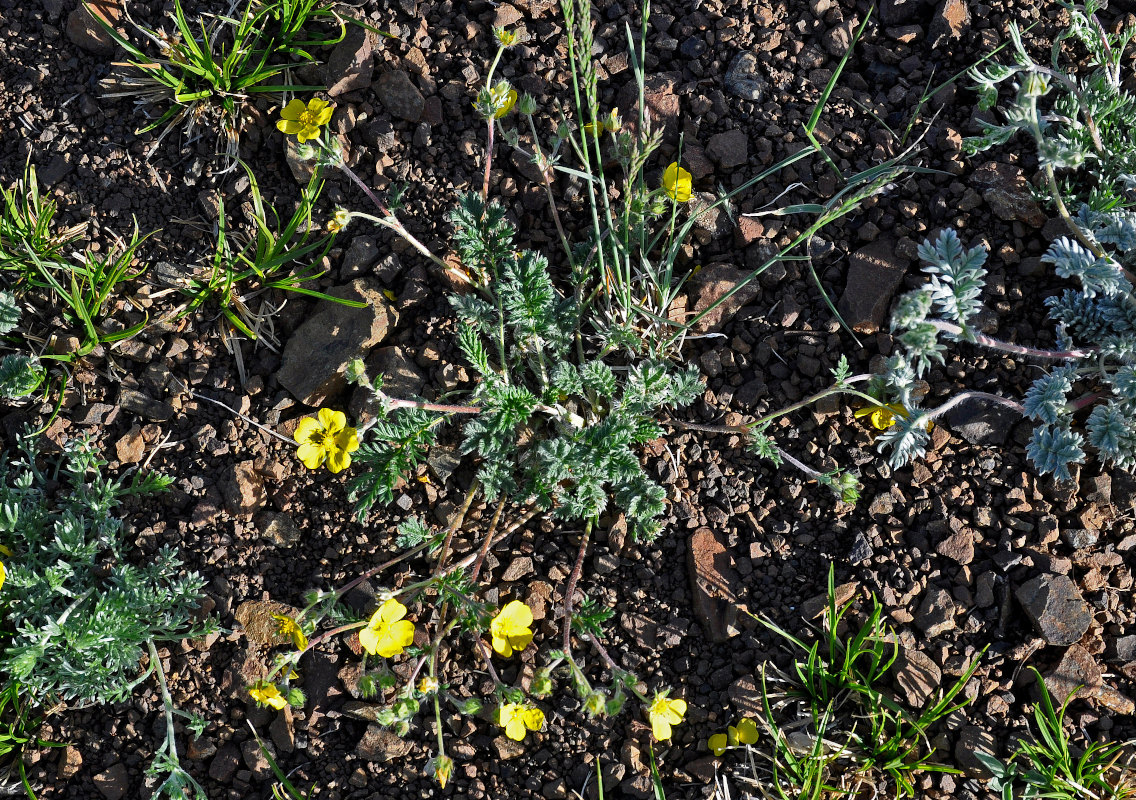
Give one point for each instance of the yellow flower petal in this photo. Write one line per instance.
(293, 110)
(747, 731)
(515, 729)
(266, 694)
(663, 713)
(718, 743)
(391, 611)
(387, 648)
(289, 126)
(347, 440)
(3, 574)
(311, 455)
(502, 647)
(401, 633)
(533, 719)
(677, 183)
(304, 431)
(369, 640)
(510, 628)
(332, 421)
(337, 461)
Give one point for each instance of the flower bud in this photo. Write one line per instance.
(406, 707)
(441, 768)
(541, 684)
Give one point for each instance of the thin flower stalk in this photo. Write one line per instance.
(1009, 347)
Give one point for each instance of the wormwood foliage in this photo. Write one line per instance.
(1087, 156)
(81, 613)
(1089, 119)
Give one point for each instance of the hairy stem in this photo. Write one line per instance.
(484, 550)
(570, 589)
(1007, 347)
(455, 523)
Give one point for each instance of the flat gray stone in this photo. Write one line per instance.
(1056, 608)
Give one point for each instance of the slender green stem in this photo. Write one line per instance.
(839, 389)
(437, 705)
(167, 700)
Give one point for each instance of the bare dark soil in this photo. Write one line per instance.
(946, 543)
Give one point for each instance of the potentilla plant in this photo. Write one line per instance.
(554, 423)
(571, 380)
(448, 613)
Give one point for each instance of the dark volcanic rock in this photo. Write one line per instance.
(1055, 607)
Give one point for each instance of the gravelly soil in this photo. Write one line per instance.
(944, 543)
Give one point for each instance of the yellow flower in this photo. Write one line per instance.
(4, 570)
(510, 628)
(326, 437)
(744, 733)
(506, 38)
(613, 123)
(594, 129)
(677, 183)
(304, 121)
(883, 417)
(516, 718)
(339, 220)
(663, 713)
(443, 768)
(266, 694)
(387, 634)
(502, 97)
(286, 626)
(428, 685)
